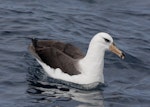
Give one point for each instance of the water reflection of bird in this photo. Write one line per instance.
(54, 93)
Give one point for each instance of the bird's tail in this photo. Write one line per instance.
(34, 41)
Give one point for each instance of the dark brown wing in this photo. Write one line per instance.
(57, 55)
(66, 48)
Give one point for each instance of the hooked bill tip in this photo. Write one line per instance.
(122, 56)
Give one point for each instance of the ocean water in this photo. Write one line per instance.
(22, 81)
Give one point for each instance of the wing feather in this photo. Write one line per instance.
(57, 55)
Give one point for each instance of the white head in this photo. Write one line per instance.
(104, 41)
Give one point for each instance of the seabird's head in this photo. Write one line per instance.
(105, 40)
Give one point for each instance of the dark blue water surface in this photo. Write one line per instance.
(22, 82)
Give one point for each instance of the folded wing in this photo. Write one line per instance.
(57, 55)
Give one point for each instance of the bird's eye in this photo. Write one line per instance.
(107, 40)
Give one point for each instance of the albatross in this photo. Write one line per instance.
(66, 62)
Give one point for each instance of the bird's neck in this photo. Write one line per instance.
(92, 64)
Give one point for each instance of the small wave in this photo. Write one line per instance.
(92, 86)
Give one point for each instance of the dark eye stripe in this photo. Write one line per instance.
(106, 40)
